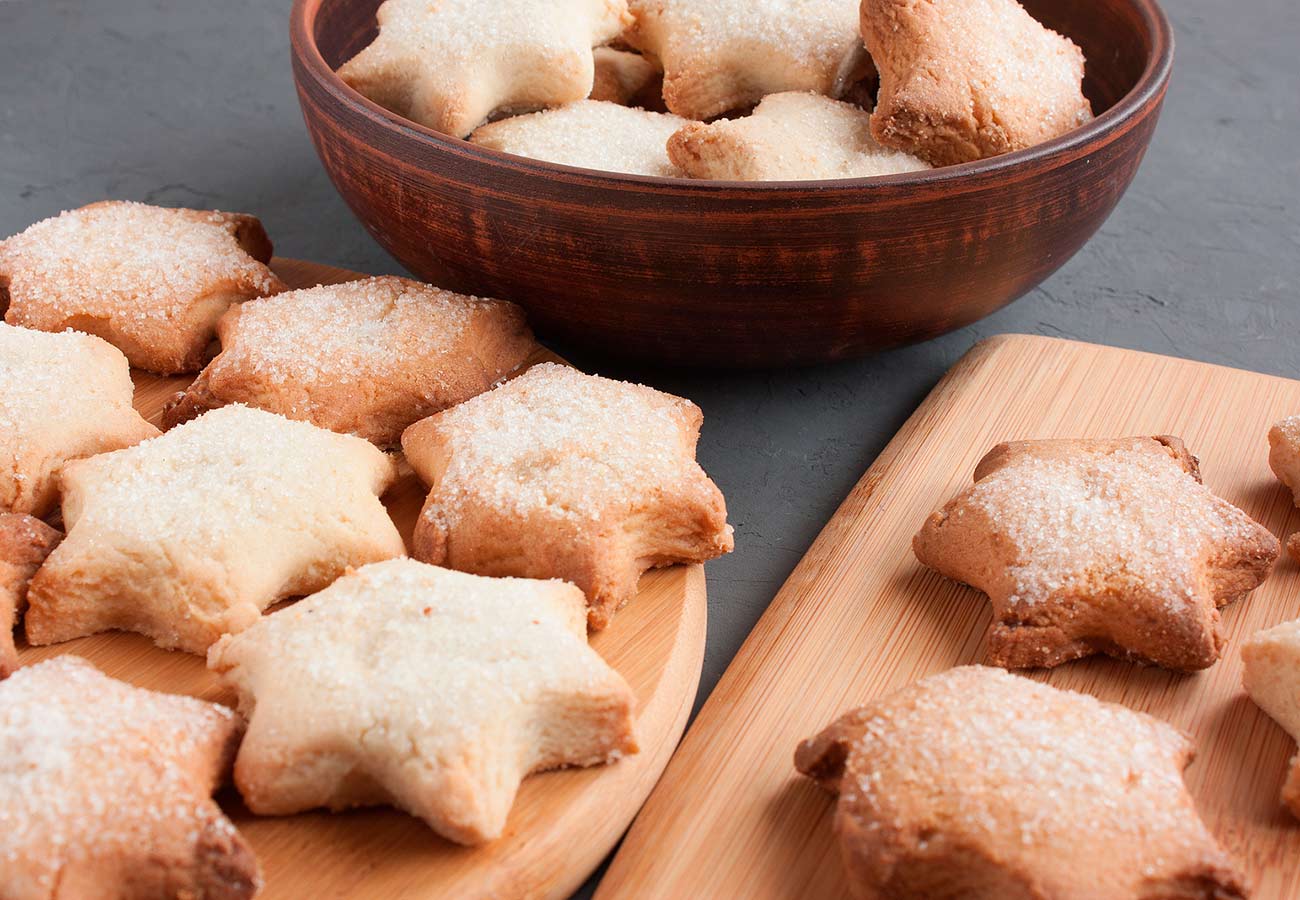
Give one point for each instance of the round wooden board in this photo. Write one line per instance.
(563, 822)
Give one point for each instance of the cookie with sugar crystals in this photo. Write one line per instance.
(1284, 460)
(1098, 546)
(24, 544)
(723, 55)
(450, 65)
(1271, 676)
(789, 137)
(628, 79)
(558, 474)
(978, 783)
(365, 357)
(431, 690)
(592, 134)
(968, 79)
(62, 397)
(149, 280)
(108, 790)
(191, 535)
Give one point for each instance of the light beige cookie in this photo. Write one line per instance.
(979, 784)
(151, 281)
(1284, 460)
(789, 137)
(108, 791)
(1272, 678)
(628, 79)
(62, 397)
(591, 134)
(558, 474)
(968, 79)
(191, 535)
(366, 357)
(724, 55)
(1098, 546)
(24, 544)
(431, 690)
(450, 65)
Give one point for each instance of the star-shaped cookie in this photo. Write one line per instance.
(431, 690)
(449, 65)
(1272, 678)
(107, 790)
(1098, 546)
(558, 474)
(980, 784)
(151, 281)
(24, 544)
(191, 535)
(592, 134)
(723, 55)
(966, 79)
(62, 397)
(1284, 460)
(789, 137)
(365, 357)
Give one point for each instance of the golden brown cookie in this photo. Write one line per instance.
(983, 785)
(108, 791)
(724, 55)
(1272, 678)
(628, 79)
(431, 690)
(558, 474)
(24, 544)
(191, 535)
(1098, 546)
(789, 137)
(591, 134)
(450, 65)
(62, 397)
(1284, 460)
(151, 281)
(966, 79)
(366, 357)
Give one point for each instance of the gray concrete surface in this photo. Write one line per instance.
(190, 103)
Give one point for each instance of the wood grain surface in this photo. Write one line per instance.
(563, 823)
(728, 273)
(860, 617)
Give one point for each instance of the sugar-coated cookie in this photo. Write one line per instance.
(558, 474)
(62, 396)
(966, 79)
(431, 690)
(151, 281)
(108, 791)
(1284, 460)
(628, 79)
(592, 134)
(366, 357)
(1272, 678)
(191, 535)
(789, 137)
(24, 544)
(724, 55)
(1098, 546)
(980, 784)
(450, 65)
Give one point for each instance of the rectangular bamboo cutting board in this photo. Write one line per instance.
(860, 617)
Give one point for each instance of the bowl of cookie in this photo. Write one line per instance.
(710, 182)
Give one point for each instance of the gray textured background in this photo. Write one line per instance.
(191, 103)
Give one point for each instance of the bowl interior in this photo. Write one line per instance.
(1115, 35)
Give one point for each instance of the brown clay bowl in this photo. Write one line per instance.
(737, 274)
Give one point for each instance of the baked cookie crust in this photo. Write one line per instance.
(24, 544)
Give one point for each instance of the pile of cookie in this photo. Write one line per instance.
(976, 782)
(728, 89)
(434, 682)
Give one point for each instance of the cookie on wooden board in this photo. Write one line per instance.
(1271, 675)
(1284, 460)
(1098, 546)
(431, 690)
(558, 474)
(24, 544)
(151, 281)
(980, 784)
